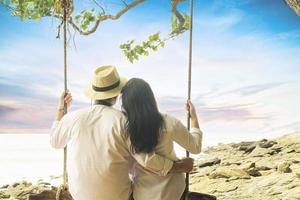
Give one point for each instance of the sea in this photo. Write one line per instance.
(30, 157)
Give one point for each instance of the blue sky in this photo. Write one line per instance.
(246, 66)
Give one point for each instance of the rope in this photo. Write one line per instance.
(64, 186)
(187, 180)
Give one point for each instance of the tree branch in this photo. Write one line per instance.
(124, 2)
(100, 6)
(178, 15)
(105, 17)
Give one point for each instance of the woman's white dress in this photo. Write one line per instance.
(149, 186)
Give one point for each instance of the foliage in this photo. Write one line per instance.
(132, 52)
(87, 21)
(30, 9)
(85, 18)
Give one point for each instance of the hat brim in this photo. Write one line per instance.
(94, 95)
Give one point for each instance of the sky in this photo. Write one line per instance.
(246, 66)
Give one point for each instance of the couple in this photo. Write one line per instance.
(105, 145)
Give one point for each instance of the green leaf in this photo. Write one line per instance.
(174, 22)
(156, 36)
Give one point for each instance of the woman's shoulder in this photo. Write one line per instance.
(169, 120)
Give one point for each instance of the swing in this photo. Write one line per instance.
(60, 193)
(187, 195)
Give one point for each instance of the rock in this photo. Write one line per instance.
(266, 173)
(4, 196)
(226, 189)
(263, 168)
(295, 161)
(247, 149)
(231, 163)
(224, 172)
(233, 178)
(267, 182)
(290, 151)
(26, 191)
(50, 194)
(206, 170)
(284, 167)
(259, 152)
(247, 166)
(292, 194)
(15, 184)
(297, 172)
(4, 186)
(210, 162)
(275, 150)
(274, 191)
(262, 152)
(237, 145)
(253, 172)
(266, 143)
(44, 183)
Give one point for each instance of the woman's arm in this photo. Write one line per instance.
(190, 140)
(161, 165)
(190, 108)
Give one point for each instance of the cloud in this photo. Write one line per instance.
(210, 113)
(5, 110)
(237, 113)
(252, 89)
(220, 23)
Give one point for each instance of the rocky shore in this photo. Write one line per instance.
(260, 170)
(24, 190)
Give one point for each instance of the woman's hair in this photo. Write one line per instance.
(144, 121)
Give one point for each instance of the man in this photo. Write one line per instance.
(98, 151)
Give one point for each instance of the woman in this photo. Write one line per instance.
(150, 131)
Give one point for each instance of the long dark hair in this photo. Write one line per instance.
(144, 121)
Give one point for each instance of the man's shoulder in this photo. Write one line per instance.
(74, 114)
(78, 112)
(116, 114)
(116, 111)
(86, 112)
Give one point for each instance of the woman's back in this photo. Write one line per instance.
(151, 132)
(147, 185)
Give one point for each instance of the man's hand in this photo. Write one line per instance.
(182, 166)
(65, 99)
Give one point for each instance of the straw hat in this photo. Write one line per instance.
(106, 83)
